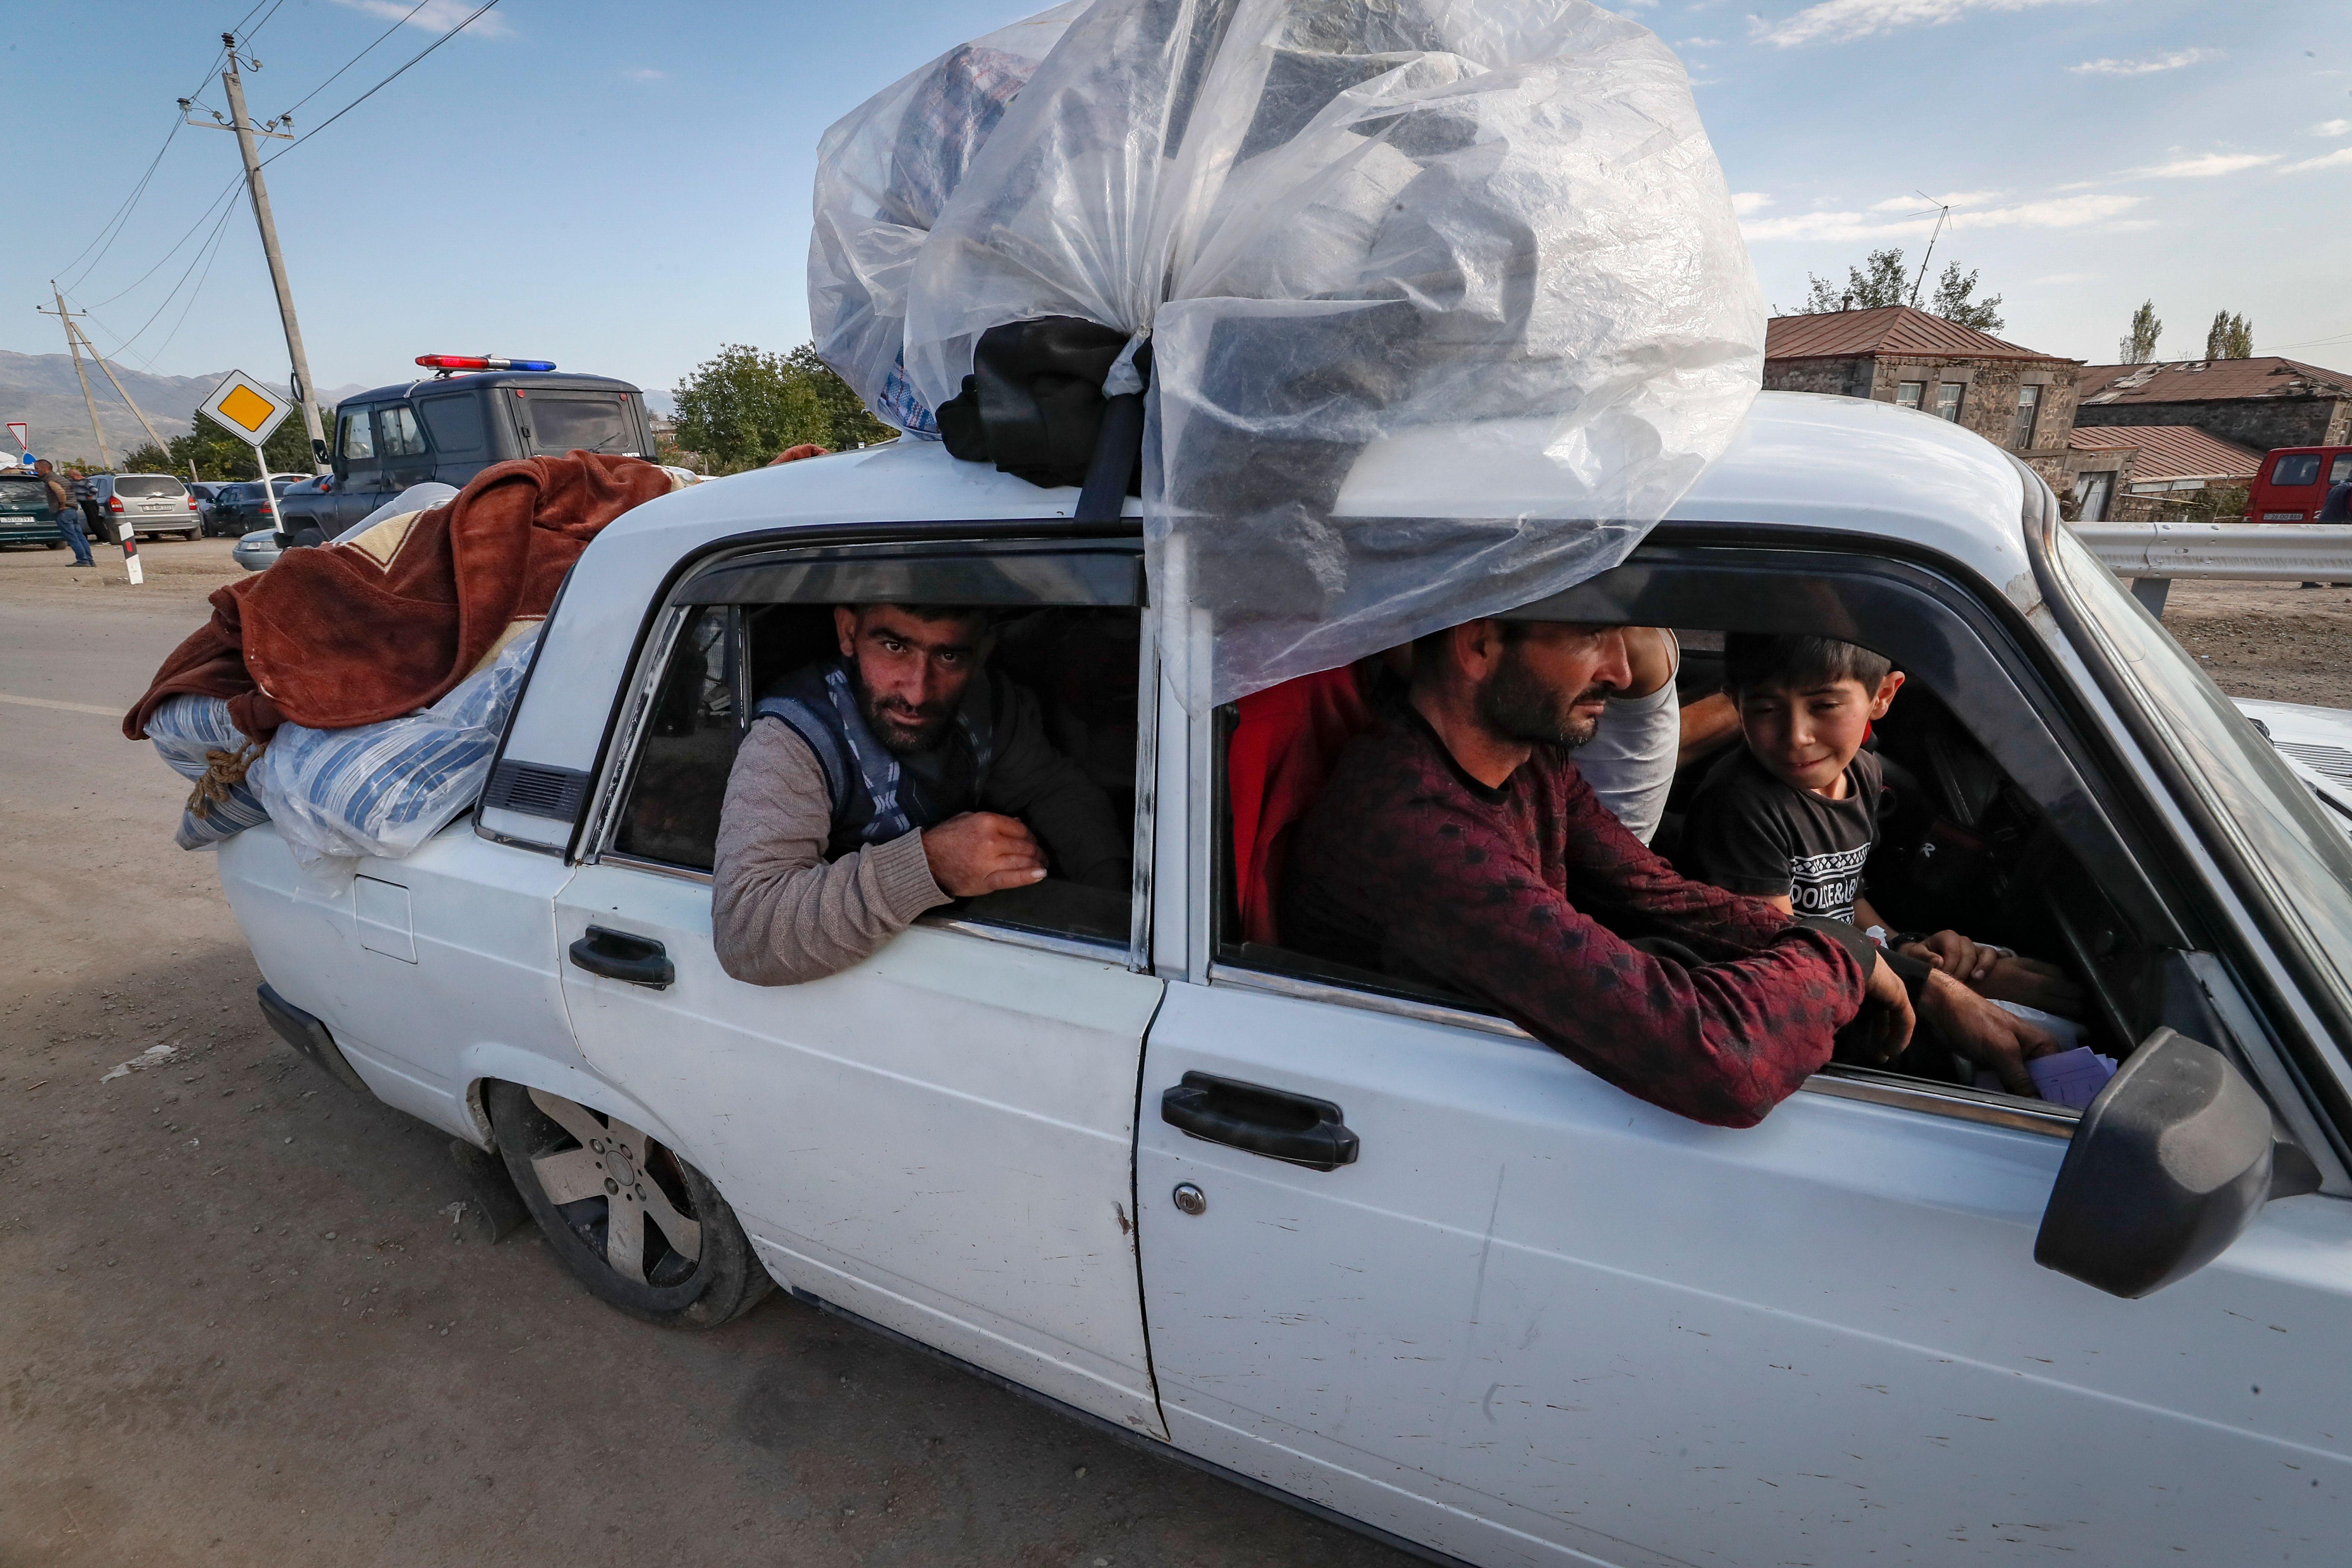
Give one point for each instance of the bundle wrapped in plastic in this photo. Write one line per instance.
(1347, 224)
(384, 789)
(195, 737)
(883, 173)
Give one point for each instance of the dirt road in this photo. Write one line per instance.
(234, 1326)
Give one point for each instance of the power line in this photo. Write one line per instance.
(378, 87)
(202, 218)
(355, 59)
(113, 226)
(241, 30)
(222, 222)
(214, 248)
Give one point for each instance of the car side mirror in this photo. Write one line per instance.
(2169, 1163)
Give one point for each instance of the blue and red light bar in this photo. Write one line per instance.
(481, 362)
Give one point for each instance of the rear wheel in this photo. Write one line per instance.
(644, 1230)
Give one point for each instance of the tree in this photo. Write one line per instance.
(740, 409)
(218, 454)
(1953, 303)
(1882, 284)
(2230, 337)
(1882, 281)
(148, 458)
(2139, 348)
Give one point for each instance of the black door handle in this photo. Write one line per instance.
(1269, 1122)
(621, 955)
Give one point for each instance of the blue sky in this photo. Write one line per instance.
(622, 187)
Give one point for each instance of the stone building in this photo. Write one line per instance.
(2150, 473)
(2015, 397)
(2262, 403)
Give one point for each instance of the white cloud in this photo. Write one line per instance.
(433, 16)
(2332, 128)
(2058, 279)
(2068, 212)
(645, 73)
(1698, 43)
(1746, 201)
(2205, 166)
(2339, 159)
(1834, 21)
(1951, 199)
(2148, 66)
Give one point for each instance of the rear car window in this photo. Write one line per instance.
(454, 424)
(561, 423)
(148, 485)
(2300, 468)
(17, 490)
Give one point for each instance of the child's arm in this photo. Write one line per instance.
(1988, 971)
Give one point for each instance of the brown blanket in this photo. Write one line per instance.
(388, 621)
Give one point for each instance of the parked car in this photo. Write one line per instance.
(146, 503)
(2293, 480)
(256, 550)
(451, 426)
(1365, 1243)
(25, 517)
(242, 507)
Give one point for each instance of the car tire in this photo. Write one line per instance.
(692, 1266)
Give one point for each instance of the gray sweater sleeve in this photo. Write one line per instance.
(778, 914)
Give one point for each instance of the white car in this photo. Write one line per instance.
(256, 550)
(1373, 1248)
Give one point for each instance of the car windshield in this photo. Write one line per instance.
(2285, 829)
(148, 485)
(561, 423)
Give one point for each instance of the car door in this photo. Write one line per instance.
(939, 1139)
(359, 469)
(1535, 1320)
(401, 442)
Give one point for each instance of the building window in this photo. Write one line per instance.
(1907, 394)
(1948, 400)
(2029, 403)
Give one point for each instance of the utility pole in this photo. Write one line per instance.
(1943, 211)
(247, 147)
(73, 345)
(108, 369)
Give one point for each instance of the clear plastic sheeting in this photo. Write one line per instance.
(883, 172)
(1348, 223)
(337, 796)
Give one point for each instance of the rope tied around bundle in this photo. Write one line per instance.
(224, 770)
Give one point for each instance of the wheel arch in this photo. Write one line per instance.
(487, 1063)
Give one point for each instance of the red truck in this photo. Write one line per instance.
(2293, 480)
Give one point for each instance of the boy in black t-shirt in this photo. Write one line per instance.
(1790, 816)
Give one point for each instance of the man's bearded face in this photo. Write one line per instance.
(910, 670)
(1519, 703)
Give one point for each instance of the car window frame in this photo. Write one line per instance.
(2072, 730)
(385, 413)
(673, 609)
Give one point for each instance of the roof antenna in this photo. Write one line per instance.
(1943, 211)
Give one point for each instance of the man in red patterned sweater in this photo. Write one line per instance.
(1457, 843)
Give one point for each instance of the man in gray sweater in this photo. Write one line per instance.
(898, 777)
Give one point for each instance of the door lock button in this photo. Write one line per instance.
(1191, 1199)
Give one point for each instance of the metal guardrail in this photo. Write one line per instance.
(2152, 554)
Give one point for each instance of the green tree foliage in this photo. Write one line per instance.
(1882, 281)
(147, 459)
(1878, 282)
(2138, 347)
(219, 454)
(2230, 337)
(1955, 302)
(740, 409)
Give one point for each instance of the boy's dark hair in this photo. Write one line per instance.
(1753, 661)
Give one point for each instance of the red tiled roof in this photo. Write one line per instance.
(2200, 381)
(2170, 451)
(1890, 330)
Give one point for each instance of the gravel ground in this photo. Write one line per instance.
(2279, 643)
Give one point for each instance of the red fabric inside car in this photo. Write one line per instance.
(1283, 745)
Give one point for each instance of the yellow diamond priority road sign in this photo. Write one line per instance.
(245, 408)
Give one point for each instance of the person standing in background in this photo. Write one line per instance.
(67, 509)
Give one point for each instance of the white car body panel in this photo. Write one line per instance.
(939, 1139)
(1538, 1321)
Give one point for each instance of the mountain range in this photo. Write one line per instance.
(40, 390)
